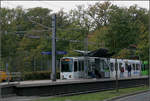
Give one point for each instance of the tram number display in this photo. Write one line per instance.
(66, 60)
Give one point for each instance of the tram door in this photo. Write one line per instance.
(133, 71)
(112, 69)
(76, 69)
(104, 68)
(136, 69)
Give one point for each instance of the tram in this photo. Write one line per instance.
(123, 63)
(70, 69)
(97, 67)
(74, 67)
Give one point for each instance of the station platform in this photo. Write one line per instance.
(60, 87)
(58, 81)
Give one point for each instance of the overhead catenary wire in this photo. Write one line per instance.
(39, 23)
(48, 37)
(49, 29)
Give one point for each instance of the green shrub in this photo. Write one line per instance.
(38, 75)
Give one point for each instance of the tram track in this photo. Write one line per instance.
(71, 88)
(91, 91)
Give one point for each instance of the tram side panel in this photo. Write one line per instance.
(73, 68)
(135, 68)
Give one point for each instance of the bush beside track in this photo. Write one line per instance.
(38, 75)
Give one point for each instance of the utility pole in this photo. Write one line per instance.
(116, 70)
(85, 54)
(53, 75)
(149, 56)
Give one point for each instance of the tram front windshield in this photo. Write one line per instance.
(66, 65)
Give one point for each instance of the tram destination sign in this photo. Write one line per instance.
(57, 52)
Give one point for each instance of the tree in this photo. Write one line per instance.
(99, 13)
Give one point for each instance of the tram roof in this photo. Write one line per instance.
(125, 60)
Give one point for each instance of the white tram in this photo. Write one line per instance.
(135, 67)
(74, 67)
(71, 68)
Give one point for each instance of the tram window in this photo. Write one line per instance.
(116, 65)
(120, 65)
(106, 66)
(137, 66)
(80, 65)
(133, 66)
(143, 67)
(97, 63)
(75, 66)
(111, 66)
(102, 64)
(126, 66)
(66, 66)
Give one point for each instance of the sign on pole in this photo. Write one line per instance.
(46, 53)
(57, 52)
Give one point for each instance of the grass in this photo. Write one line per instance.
(99, 96)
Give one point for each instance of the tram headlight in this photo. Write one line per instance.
(70, 76)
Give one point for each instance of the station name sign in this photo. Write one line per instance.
(57, 52)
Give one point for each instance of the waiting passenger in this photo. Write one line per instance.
(91, 74)
(122, 71)
(129, 70)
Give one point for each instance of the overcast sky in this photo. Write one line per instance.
(67, 5)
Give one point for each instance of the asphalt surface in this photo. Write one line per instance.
(18, 98)
(138, 97)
